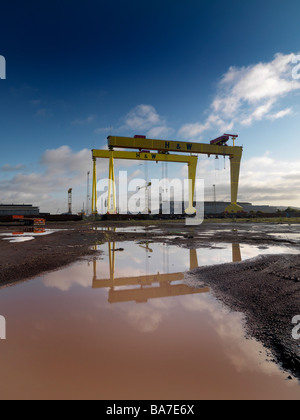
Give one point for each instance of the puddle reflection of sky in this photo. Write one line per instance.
(179, 347)
(27, 235)
(148, 260)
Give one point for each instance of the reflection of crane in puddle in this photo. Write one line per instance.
(236, 253)
(144, 293)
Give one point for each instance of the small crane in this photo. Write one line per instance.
(147, 186)
(70, 200)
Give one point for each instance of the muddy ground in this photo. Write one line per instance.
(266, 289)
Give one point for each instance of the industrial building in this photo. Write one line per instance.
(18, 210)
(212, 207)
(219, 207)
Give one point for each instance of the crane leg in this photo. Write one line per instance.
(236, 253)
(112, 202)
(192, 182)
(94, 192)
(193, 259)
(235, 164)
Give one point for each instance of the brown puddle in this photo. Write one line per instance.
(127, 326)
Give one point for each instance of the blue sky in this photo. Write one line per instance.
(78, 71)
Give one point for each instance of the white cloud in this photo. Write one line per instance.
(196, 129)
(83, 121)
(193, 130)
(144, 119)
(64, 160)
(281, 114)
(248, 94)
(259, 113)
(145, 319)
(60, 169)
(102, 130)
(263, 180)
(12, 168)
(160, 131)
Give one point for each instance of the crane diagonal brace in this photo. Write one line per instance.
(234, 152)
(154, 157)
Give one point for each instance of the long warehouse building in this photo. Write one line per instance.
(18, 210)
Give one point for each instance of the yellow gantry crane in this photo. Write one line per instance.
(154, 157)
(159, 151)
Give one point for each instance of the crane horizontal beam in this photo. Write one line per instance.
(173, 146)
(136, 281)
(143, 295)
(155, 157)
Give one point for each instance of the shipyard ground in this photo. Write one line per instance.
(266, 289)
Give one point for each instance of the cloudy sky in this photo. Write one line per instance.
(78, 71)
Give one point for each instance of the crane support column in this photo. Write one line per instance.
(111, 202)
(235, 164)
(192, 182)
(94, 192)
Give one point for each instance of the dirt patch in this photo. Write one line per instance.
(19, 261)
(267, 291)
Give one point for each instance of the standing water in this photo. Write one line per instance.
(126, 325)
